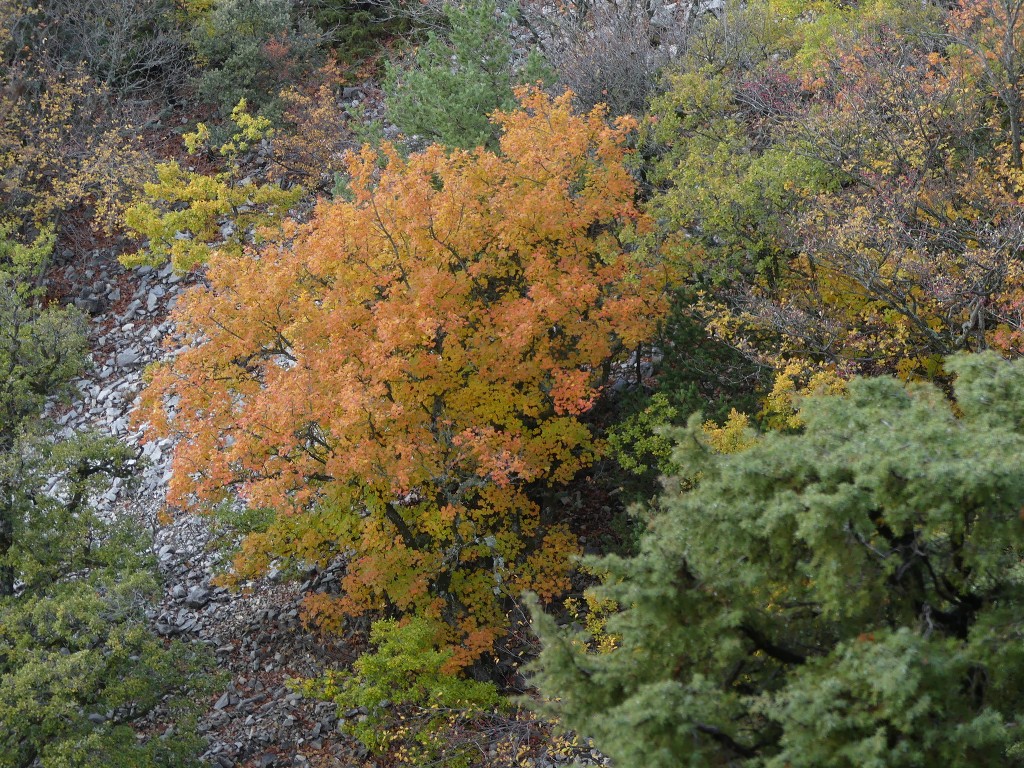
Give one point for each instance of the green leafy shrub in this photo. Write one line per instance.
(402, 693)
(250, 49)
(78, 663)
(22, 263)
(635, 442)
(694, 372)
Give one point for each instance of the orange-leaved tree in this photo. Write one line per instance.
(402, 380)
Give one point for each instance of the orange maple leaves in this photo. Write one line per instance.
(394, 376)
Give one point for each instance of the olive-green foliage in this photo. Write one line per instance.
(814, 27)
(725, 175)
(55, 533)
(696, 372)
(39, 352)
(22, 263)
(635, 441)
(700, 372)
(404, 690)
(737, 164)
(845, 596)
(356, 28)
(458, 79)
(251, 49)
(78, 663)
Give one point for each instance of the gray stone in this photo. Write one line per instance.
(89, 304)
(129, 357)
(197, 597)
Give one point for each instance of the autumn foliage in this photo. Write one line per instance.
(858, 202)
(403, 379)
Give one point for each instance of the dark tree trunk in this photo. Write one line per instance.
(1015, 136)
(6, 543)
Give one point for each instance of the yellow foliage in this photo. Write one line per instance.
(891, 245)
(734, 436)
(592, 614)
(316, 136)
(185, 216)
(796, 380)
(55, 155)
(251, 129)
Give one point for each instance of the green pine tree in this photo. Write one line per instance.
(847, 596)
(459, 78)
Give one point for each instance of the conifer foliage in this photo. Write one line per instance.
(79, 665)
(403, 380)
(450, 102)
(844, 596)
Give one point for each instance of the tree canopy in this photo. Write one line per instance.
(846, 595)
(402, 378)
